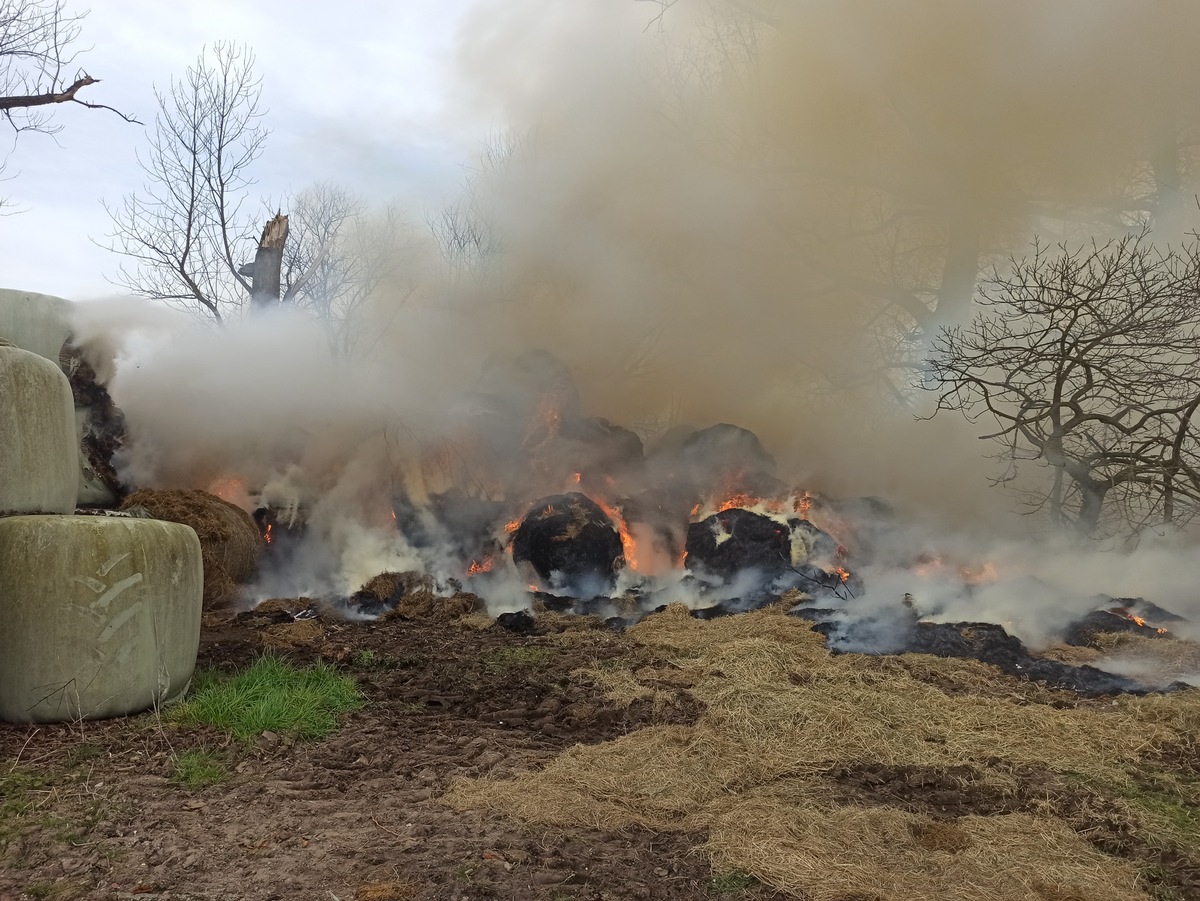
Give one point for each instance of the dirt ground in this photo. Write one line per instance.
(94, 814)
(89, 810)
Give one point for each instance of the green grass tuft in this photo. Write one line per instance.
(727, 884)
(507, 659)
(198, 769)
(272, 695)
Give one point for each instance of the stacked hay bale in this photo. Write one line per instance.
(101, 613)
(230, 541)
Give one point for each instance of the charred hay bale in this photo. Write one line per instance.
(735, 541)
(39, 455)
(571, 544)
(100, 430)
(229, 539)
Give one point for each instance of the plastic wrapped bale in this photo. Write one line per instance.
(101, 615)
(39, 456)
(231, 543)
(38, 323)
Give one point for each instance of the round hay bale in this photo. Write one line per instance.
(39, 454)
(101, 615)
(231, 543)
(38, 323)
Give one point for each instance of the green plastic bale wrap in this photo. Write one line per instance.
(99, 616)
(39, 323)
(39, 451)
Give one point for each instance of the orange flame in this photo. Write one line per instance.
(512, 526)
(628, 544)
(481, 566)
(267, 534)
(843, 573)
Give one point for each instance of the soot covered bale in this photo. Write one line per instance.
(571, 544)
(735, 541)
(230, 541)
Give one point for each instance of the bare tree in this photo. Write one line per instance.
(462, 230)
(1088, 361)
(337, 260)
(189, 232)
(37, 64)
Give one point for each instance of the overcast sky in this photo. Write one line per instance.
(357, 93)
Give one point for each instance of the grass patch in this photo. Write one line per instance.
(505, 660)
(199, 769)
(19, 796)
(272, 695)
(727, 884)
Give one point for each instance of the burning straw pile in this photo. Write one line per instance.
(765, 772)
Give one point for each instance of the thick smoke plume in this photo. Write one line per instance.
(753, 213)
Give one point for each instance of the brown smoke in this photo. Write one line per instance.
(708, 205)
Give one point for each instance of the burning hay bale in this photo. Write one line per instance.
(571, 544)
(230, 543)
(738, 541)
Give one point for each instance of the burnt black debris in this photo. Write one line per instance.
(571, 545)
(1084, 632)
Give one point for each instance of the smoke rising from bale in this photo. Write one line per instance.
(711, 217)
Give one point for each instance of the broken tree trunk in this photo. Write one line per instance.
(268, 261)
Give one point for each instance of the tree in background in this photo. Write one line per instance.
(338, 257)
(912, 168)
(1088, 361)
(188, 232)
(37, 64)
(193, 233)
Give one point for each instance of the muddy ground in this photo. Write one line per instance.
(89, 810)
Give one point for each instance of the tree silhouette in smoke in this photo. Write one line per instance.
(1088, 360)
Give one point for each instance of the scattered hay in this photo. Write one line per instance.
(413, 595)
(286, 636)
(826, 855)
(430, 606)
(781, 711)
(230, 543)
(476, 622)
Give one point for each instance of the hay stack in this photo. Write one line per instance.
(230, 542)
(39, 455)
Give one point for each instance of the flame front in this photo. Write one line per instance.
(481, 566)
(628, 544)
